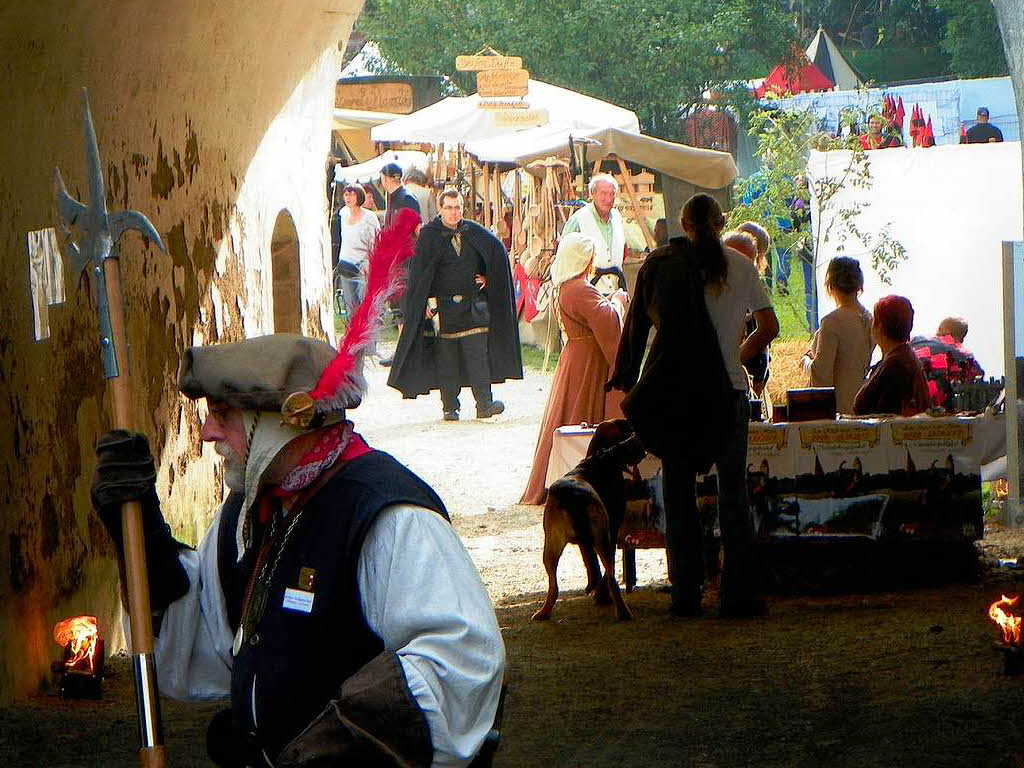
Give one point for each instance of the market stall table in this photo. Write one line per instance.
(884, 479)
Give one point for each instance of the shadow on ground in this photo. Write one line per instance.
(897, 678)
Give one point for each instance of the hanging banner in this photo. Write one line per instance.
(480, 63)
(502, 82)
(381, 97)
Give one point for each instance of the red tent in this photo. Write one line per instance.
(782, 81)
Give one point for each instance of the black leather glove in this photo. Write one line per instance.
(374, 723)
(125, 472)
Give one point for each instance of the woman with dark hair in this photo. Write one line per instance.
(359, 229)
(897, 384)
(689, 406)
(841, 348)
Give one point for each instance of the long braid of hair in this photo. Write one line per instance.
(704, 215)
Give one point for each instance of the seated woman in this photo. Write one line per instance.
(757, 365)
(896, 385)
(593, 325)
(842, 346)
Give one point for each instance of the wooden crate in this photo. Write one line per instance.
(643, 188)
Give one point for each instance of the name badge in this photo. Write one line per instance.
(297, 600)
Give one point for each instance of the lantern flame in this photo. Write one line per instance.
(80, 633)
(1008, 623)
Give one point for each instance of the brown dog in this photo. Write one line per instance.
(586, 507)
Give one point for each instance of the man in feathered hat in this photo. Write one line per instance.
(330, 597)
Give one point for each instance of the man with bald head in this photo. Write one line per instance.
(945, 361)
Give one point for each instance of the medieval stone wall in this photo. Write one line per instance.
(213, 118)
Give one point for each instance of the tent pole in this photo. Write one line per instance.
(517, 208)
(499, 203)
(640, 218)
(487, 196)
(472, 187)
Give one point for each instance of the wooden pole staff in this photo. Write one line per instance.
(640, 217)
(151, 750)
(95, 252)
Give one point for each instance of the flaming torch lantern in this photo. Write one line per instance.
(1010, 626)
(81, 671)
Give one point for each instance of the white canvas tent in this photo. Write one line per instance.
(704, 168)
(359, 119)
(364, 173)
(950, 207)
(826, 56)
(458, 119)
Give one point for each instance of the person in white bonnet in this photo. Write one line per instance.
(592, 325)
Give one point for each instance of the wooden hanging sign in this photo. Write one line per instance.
(480, 63)
(502, 82)
(520, 118)
(502, 104)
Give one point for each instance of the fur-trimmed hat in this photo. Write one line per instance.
(258, 374)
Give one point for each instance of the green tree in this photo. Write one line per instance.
(785, 139)
(971, 38)
(657, 58)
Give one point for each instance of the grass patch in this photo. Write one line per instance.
(387, 334)
(790, 309)
(533, 358)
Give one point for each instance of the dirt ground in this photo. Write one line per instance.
(890, 677)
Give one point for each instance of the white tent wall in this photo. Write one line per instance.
(950, 104)
(950, 207)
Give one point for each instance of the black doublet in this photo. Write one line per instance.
(454, 286)
(297, 661)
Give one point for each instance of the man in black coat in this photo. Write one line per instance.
(461, 325)
(398, 196)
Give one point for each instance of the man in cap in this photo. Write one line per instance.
(398, 197)
(330, 597)
(461, 278)
(983, 132)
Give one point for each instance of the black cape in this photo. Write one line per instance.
(414, 370)
(679, 405)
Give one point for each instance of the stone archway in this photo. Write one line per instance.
(284, 267)
(209, 151)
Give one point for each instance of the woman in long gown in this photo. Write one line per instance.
(592, 324)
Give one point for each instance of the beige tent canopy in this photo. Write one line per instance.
(704, 168)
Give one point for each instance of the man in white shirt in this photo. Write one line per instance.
(600, 219)
(331, 597)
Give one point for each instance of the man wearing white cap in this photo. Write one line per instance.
(330, 597)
